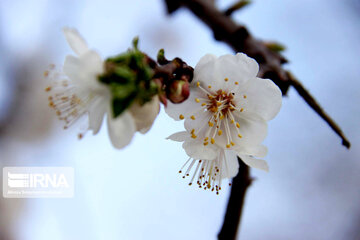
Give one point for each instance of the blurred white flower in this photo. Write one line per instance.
(76, 92)
(225, 116)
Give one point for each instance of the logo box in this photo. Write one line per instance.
(38, 182)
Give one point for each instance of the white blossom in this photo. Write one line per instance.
(225, 116)
(76, 92)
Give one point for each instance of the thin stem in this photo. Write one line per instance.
(310, 100)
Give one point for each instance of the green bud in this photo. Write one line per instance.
(129, 77)
(135, 43)
(161, 56)
(275, 46)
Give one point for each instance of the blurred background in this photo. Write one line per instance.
(311, 192)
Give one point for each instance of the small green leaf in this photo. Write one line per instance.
(124, 72)
(120, 105)
(135, 42)
(161, 55)
(275, 46)
(120, 91)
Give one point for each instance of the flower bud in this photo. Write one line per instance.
(163, 99)
(178, 91)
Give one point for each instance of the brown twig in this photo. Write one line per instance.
(236, 202)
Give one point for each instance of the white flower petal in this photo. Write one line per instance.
(239, 68)
(263, 98)
(202, 68)
(76, 42)
(179, 136)
(200, 119)
(205, 60)
(145, 115)
(197, 150)
(230, 165)
(235, 69)
(97, 112)
(255, 163)
(253, 130)
(205, 72)
(121, 129)
(84, 70)
(256, 151)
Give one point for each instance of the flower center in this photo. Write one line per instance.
(222, 109)
(221, 103)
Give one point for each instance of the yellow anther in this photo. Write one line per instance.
(192, 131)
(245, 96)
(239, 135)
(210, 97)
(227, 145)
(197, 100)
(218, 103)
(205, 139)
(226, 79)
(236, 83)
(232, 121)
(206, 143)
(241, 109)
(192, 117)
(203, 104)
(48, 89)
(211, 124)
(222, 117)
(198, 84)
(212, 141)
(237, 125)
(232, 143)
(193, 136)
(46, 73)
(209, 86)
(213, 109)
(219, 132)
(181, 117)
(231, 108)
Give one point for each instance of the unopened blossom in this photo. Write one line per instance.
(76, 92)
(225, 116)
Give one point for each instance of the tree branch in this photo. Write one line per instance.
(236, 202)
(317, 108)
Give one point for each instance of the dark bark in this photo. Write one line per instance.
(236, 202)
